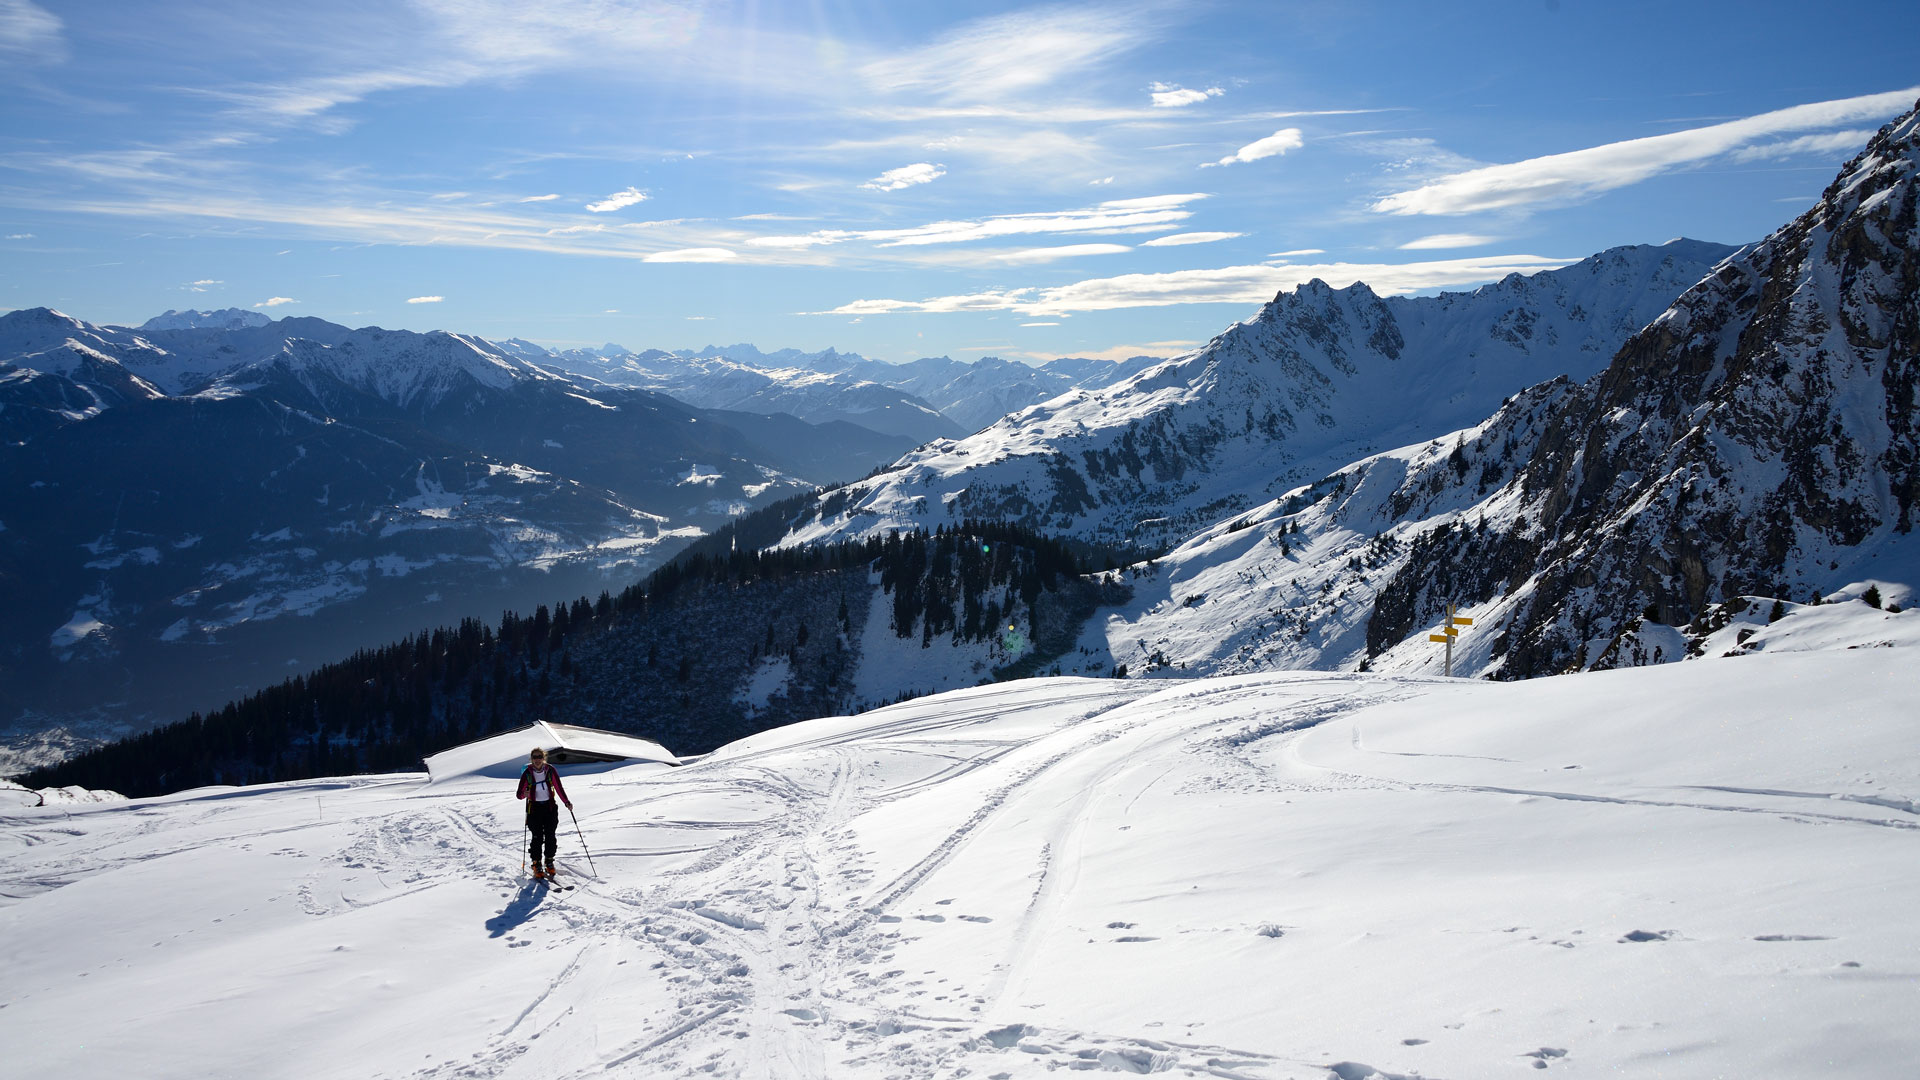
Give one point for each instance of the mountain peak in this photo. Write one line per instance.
(223, 319)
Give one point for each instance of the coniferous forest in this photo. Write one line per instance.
(664, 659)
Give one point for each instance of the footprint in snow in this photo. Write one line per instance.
(1648, 935)
(1354, 1070)
(1543, 1055)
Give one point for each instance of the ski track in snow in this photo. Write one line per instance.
(902, 894)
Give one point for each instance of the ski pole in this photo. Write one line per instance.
(583, 840)
(525, 830)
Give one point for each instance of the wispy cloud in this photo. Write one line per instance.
(1444, 241)
(1225, 285)
(1833, 142)
(805, 240)
(1065, 251)
(1561, 179)
(1169, 96)
(1102, 181)
(30, 34)
(691, 255)
(20, 236)
(203, 284)
(619, 200)
(425, 299)
(1004, 54)
(1152, 213)
(276, 301)
(906, 176)
(1273, 145)
(1296, 252)
(1185, 238)
(538, 198)
(461, 42)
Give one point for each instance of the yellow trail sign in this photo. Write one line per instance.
(1461, 620)
(1442, 638)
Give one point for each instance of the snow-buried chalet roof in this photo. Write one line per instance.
(504, 755)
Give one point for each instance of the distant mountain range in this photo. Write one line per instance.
(192, 507)
(188, 508)
(933, 397)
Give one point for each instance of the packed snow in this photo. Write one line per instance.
(1693, 870)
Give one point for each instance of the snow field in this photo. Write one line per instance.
(1690, 870)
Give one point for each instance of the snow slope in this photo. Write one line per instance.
(1693, 870)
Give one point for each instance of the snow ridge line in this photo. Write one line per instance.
(984, 710)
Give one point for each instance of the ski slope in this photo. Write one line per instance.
(1695, 870)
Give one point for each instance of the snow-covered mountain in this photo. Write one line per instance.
(933, 397)
(176, 493)
(721, 382)
(1690, 871)
(1318, 378)
(977, 395)
(224, 319)
(1755, 445)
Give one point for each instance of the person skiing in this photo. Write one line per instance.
(540, 786)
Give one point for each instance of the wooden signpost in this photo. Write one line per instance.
(1448, 631)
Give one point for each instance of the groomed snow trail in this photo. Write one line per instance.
(1693, 871)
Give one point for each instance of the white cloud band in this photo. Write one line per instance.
(1174, 97)
(1445, 241)
(906, 176)
(1273, 145)
(1577, 175)
(1185, 238)
(690, 255)
(619, 200)
(1225, 285)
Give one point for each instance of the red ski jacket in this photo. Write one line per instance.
(553, 781)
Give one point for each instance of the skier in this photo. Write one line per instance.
(540, 786)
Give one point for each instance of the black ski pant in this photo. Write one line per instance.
(542, 819)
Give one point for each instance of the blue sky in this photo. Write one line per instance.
(890, 178)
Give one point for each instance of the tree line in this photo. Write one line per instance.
(383, 709)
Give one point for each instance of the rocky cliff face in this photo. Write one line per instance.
(1759, 437)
